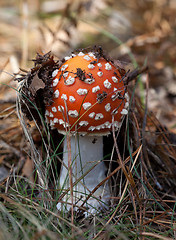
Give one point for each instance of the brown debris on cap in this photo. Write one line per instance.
(91, 93)
(36, 90)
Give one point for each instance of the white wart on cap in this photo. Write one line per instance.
(88, 95)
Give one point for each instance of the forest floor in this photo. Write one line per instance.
(138, 33)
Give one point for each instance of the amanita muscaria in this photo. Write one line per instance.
(89, 100)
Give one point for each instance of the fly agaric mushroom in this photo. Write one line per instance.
(89, 100)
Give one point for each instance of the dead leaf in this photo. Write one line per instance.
(28, 170)
(36, 84)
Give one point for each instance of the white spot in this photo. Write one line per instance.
(56, 120)
(91, 115)
(56, 93)
(51, 114)
(86, 105)
(81, 54)
(89, 80)
(100, 127)
(114, 96)
(107, 84)
(73, 113)
(61, 121)
(54, 109)
(64, 67)
(64, 97)
(67, 58)
(54, 73)
(126, 104)
(51, 123)
(114, 79)
(55, 82)
(92, 128)
(72, 99)
(107, 124)
(99, 116)
(127, 97)
(91, 55)
(70, 80)
(83, 123)
(117, 124)
(82, 91)
(73, 55)
(100, 74)
(99, 64)
(114, 112)
(86, 57)
(108, 66)
(46, 113)
(91, 66)
(124, 112)
(65, 74)
(65, 124)
(115, 89)
(108, 107)
(95, 89)
(60, 108)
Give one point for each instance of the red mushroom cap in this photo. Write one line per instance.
(89, 96)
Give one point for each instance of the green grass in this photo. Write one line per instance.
(22, 218)
(28, 210)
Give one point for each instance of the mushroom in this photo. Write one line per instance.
(89, 99)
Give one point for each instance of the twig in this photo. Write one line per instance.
(139, 150)
(155, 235)
(108, 177)
(133, 74)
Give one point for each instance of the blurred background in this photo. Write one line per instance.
(136, 32)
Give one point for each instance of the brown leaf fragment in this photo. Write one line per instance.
(28, 170)
(36, 84)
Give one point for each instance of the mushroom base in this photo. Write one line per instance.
(86, 152)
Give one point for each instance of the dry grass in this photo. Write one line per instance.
(141, 160)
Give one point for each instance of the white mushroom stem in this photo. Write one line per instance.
(86, 152)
